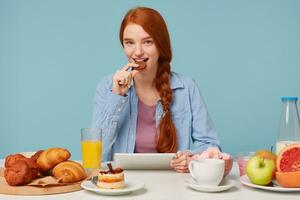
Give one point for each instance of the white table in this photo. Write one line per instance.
(168, 185)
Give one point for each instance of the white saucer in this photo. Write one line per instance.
(224, 185)
(130, 186)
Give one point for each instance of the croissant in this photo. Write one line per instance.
(69, 172)
(51, 157)
(37, 154)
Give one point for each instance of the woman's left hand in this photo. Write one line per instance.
(180, 162)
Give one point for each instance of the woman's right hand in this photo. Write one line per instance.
(180, 162)
(122, 79)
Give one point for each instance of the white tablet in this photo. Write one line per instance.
(143, 160)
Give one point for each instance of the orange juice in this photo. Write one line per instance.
(91, 153)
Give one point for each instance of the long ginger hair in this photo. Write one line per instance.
(153, 23)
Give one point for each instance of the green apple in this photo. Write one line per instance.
(260, 170)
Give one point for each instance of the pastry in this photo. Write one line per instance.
(51, 157)
(34, 167)
(111, 179)
(11, 159)
(35, 156)
(18, 174)
(69, 172)
(20, 170)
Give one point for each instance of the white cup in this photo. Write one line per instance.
(207, 172)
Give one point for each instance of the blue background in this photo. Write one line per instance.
(244, 55)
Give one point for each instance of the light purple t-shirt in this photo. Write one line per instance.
(146, 129)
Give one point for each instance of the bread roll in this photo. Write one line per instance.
(51, 157)
(11, 159)
(34, 167)
(18, 174)
(69, 172)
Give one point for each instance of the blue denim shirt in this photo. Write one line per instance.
(117, 116)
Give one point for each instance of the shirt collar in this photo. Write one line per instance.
(175, 81)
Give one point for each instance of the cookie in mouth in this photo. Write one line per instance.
(142, 64)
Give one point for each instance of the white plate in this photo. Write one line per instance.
(130, 186)
(224, 185)
(275, 187)
(143, 160)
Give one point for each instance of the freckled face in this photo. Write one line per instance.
(140, 46)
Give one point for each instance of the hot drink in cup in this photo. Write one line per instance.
(207, 172)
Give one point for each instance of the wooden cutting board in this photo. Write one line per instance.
(33, 190)
(38, 190)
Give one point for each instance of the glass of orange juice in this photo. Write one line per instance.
(91, 146)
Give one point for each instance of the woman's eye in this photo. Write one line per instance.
(128, 43)
(148, 42)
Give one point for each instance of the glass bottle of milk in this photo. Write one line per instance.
(289, 125)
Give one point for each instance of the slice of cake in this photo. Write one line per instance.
(111, 179)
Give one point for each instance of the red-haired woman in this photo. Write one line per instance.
(146, 108)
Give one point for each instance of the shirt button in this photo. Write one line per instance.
(123, 100)
(119, 109)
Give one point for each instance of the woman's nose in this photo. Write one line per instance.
(138, 51)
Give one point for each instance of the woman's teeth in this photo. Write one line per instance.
(141, 60)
